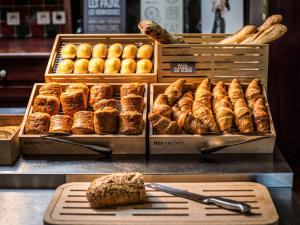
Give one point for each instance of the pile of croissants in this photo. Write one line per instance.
(178, 110)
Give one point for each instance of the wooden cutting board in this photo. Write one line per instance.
(70, 206)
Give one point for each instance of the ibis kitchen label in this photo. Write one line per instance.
(167, 13)
(104, 16)
(183, 67)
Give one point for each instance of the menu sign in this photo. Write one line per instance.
(104, 16)
(184, 67)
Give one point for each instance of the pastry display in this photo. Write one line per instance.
(106, 120)
(128, 66)
(132, 88)
(96, 65)
(115, 51)
(65, 66)
(132, 102)
(61, 124)
(84, 51)
(83, 122)
(73, 101)
(174, 91)
(68, 51)
(143, 66)
(112, 65)
(99, 92)
(99, 51)
(161, 106)
(46, 103)
(101, 104)
(7, 131)
(37, 123)
(131, 123)
(53, 88)
(145, 51)
(116, 189)
(129, 51)
(81, 66)
(163, 125)
(261, 117)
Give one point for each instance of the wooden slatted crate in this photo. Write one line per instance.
(69, 205)
(203, 57)
(108, 39)
(119, 143)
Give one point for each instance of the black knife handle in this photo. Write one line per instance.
(228, 204)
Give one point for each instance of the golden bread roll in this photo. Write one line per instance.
(145, 51)
(128, 66)
(131, 123)
(84, 51)
(132, 88)
(115, 51)
(60, 124)
(68, 51)
(106, 120)
(53, 88)
(79, 86)
(100, 91)
(129, 51)
(101, 104)
(37, 123)
(81, 66)
(83, 122)
(112, 65)
(239, 36)
(144, 66)
(73, 101)
(132, 102)
(270, 21)
(116, 189)
(96, 65)
(46, 103)
(65, 66)
(100, 51)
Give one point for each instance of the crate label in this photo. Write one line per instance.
(169, 142)
(38, 142)
(183, 68)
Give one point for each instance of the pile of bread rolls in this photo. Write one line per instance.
(269, 31)
(179, 110)
(116, 58)
(83, 110)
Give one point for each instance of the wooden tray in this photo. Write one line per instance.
(119, 143)
(191, 144)
(70, 206)
(61, 39)
(9, 148)
(210, 59)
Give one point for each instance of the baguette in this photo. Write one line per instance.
(239, 36)
(271, 34)
(271, 20)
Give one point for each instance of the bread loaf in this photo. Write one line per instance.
(37, 123)
(83, 122)
(239, 36)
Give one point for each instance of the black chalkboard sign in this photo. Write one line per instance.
(104, 16)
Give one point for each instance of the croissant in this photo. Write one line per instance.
(186, 121)
(253, 92)
(224, 115)
(161, 106)
(219, 92)
(235, 91)
(185, 103)
(174, 91)
(203, 93)
(243, 116)
(260, 115)
(163, 125)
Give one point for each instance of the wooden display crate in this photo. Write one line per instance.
(202, 57)
(9, 148)
(119, 143)
(108, 39)
(191, 144)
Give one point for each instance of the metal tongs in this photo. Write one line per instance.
(95, 148)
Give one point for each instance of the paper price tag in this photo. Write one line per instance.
(184, 67)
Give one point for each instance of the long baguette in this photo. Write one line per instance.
(239, 36)
(270, 21)
(271, 34)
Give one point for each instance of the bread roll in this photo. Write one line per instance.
(83, 122)
(73, 101)
(60, 124)
(100, 51)
(68, 51)
(53, 88)
(112, 65)
(132, 88)
(81, 66)
(84, 51)
(129, 51)
(96, 65)
(79, 86)
(115, 51)
(106, 121)
(144, 66)
(239, 36)
(47, 104)
(131, 123)
(145, 51)
(132, 102)
(37, 123)
(65, 66)
(100, 91)
(116, 189)
(101, 104)
(128, 66)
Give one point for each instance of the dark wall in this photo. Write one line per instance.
(284, 79)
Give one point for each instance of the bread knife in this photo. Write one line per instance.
(218, 201)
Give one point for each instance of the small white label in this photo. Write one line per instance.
(58, 17)
(43, 17)
(13, 18)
